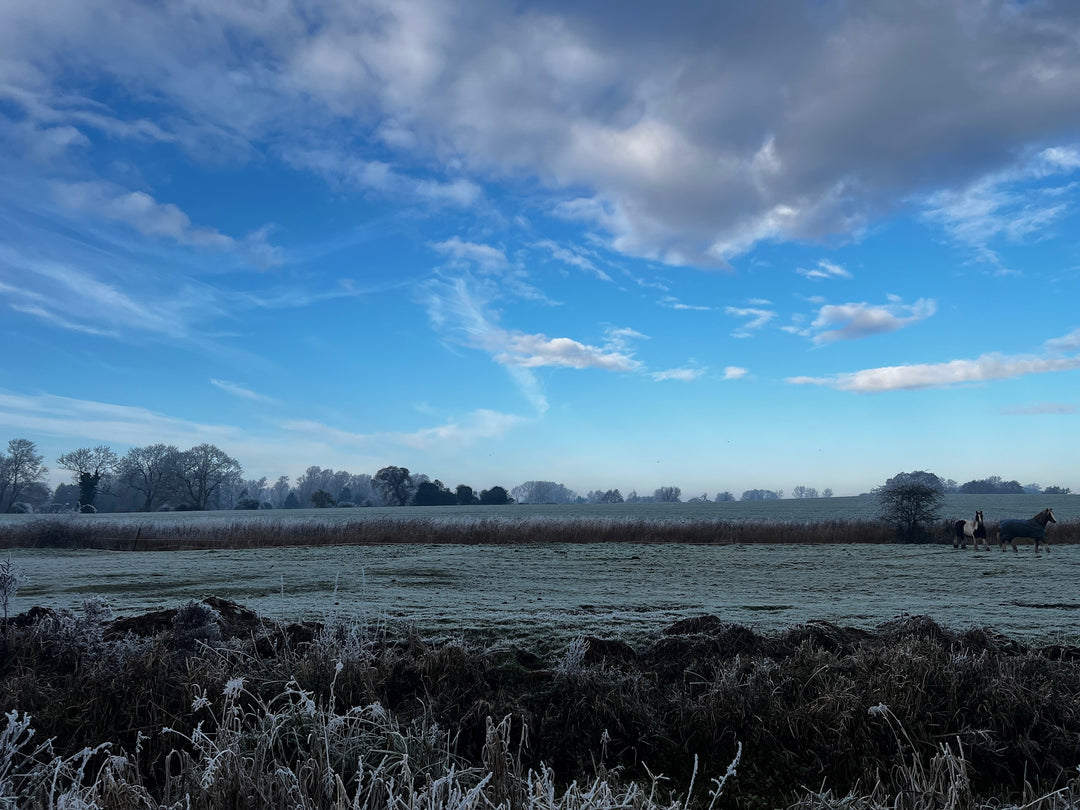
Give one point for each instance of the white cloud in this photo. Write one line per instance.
(856, 321)
(241, 391)
(480, 425)
(485, 256)
(572, 257)
(678, 156)
(756, 319)
(940, 375)
(735, 372)
(671, 302)
(535, 351)
(343, 169)
(681, 374)
(824, 270)
(140, 211)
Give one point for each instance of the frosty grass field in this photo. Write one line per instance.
(552, 593)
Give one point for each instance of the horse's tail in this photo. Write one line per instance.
(959, 528)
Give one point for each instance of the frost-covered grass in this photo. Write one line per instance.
(209, 706)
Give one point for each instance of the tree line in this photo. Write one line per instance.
(164, 477)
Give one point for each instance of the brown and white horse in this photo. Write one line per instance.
(1009, 530)
(974, 530)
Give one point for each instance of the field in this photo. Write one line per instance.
(549, 594)
(1066, 507)
(490, 672)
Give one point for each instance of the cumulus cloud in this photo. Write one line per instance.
(735, 372)
(836, 322)
(535, 351)
(148, 216)
(688, 136)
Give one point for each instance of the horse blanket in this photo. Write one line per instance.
(1011, 529)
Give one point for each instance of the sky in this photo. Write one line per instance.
(720, 246)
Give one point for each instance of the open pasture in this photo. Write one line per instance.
(551, 593)
(860, 507)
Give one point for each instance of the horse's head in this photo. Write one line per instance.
(1050, 516)
(978, 518)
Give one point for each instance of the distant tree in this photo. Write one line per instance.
(433, 493)
(322, 499)
(951, 487)
(149, 471)
(612, 496)
(804, 492)
(826, 493)
(496, 496)
(247, 504)
(702, 498)
(994, 485)
(394, 484)
(345, 496)
(65, 496)
(724, 497)
(20, 466)
(543, 492)
(633, 497)
(759, 495)
(291, 501)
(89, 466)
(1056, 490)
(667, 495)
(464, 495)
(279, 492)
(201, 472)
(1032, 489)
(910, 503)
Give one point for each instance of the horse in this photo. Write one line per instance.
(971, 530)
(1009, 530)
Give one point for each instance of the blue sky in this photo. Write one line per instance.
(614, 244)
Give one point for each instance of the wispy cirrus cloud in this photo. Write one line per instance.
(455, 434)
(242, 391)
(915, 376)
(680, 374)
(1006, 205)
(486, 257)
(823, 270)
(572, 258)
(755, 319)
(1044, 408)
(671, 302)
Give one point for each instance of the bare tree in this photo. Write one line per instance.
(150, 471)
(201, 472)
(89, 466)
(20, 466)
(910, 502)
(668, 495)
(542, 492)
(804, 492)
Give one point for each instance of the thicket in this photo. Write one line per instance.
(171, 535)
(212, 706)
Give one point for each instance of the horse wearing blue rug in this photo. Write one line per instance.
(1009, 530)
(974, 530)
